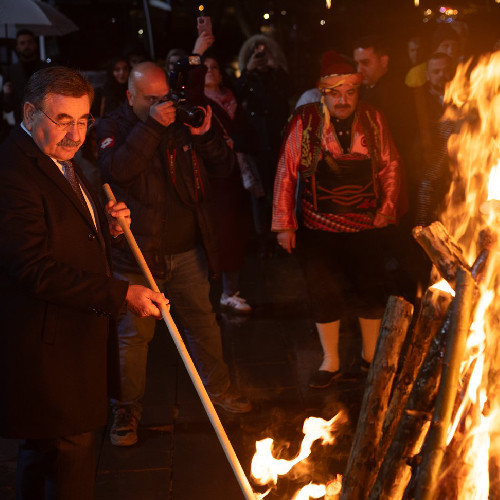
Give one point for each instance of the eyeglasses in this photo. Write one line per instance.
(82, 124)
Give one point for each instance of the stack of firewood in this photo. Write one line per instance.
(412, 392)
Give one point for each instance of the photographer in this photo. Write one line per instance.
(160, 167)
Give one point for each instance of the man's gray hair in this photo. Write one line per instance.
(56, 80)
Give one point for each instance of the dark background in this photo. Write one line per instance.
(108, 27)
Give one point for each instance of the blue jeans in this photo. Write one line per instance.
(186, 286)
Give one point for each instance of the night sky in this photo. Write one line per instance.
(304, 28)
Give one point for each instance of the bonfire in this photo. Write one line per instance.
(429, 425)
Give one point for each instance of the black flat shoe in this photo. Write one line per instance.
(322, 379)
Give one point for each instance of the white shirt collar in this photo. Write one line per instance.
(25, 129)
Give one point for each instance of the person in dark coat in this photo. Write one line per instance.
(386, 91)
(232, 202)
(17, 74)
(114, 91)
(59, 300)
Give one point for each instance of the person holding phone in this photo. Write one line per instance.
(204, 25)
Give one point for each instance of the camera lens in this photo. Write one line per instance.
(191, 115)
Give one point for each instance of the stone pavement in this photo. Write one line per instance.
(272, 353)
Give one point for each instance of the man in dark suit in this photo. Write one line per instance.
(58, 298)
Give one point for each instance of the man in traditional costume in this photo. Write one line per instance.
(351, 186)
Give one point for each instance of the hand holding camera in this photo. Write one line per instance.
(164, 111)
(205, 126)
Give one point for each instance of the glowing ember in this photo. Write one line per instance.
(266, 469)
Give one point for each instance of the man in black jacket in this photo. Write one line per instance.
(160, 167)
(59, 301)
(18, 73)
(385, 90)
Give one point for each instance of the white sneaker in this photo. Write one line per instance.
(236, 303)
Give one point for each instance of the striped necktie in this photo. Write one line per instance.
(70, 174)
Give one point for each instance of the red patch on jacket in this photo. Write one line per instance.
(107, 143)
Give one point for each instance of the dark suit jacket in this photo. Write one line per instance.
(57, 300)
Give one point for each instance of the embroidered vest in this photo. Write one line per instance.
(338, 186)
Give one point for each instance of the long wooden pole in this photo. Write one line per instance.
(186, 358)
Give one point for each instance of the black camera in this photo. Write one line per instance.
(186, 112)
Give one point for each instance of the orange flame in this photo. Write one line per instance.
(331, 491)
(311, 491)
(474, 147)
(473, 99)
(266, 469)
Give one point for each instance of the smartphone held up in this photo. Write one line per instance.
(204, 24)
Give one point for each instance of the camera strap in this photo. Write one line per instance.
(198, 188)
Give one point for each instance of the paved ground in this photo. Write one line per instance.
(272, 353)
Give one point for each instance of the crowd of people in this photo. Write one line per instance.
(200, 164)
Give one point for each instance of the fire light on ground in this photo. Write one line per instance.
(266, 468)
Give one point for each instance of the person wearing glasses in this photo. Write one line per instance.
(59, 299)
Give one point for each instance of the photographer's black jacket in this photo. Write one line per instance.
(162, 173)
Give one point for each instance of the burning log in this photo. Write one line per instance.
(442, 249)
(456, 338)
(430, 319)
(395, 470)
(455, 469)
(487, 241)
(395, 323)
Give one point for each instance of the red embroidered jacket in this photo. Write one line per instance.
(304, 146)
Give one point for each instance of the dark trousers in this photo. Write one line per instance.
(344, 273)
(57, 469)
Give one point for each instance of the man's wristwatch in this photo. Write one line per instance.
(194, 60)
